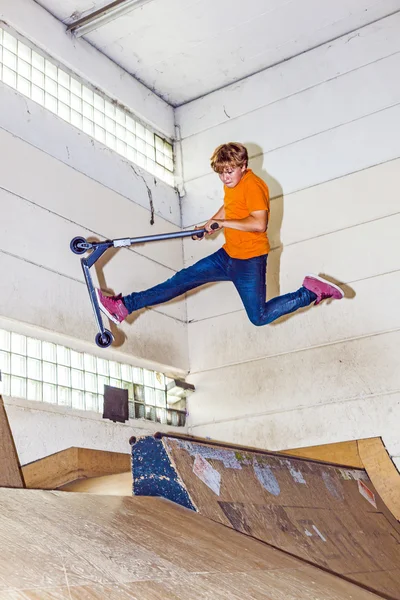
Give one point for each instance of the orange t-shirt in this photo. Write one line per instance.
(250, 194)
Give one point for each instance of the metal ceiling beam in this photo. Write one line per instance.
(104, 15)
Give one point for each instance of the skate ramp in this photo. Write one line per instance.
(65, 546)
(73, 464)
(369, 454)
(327, 515)
(10, 470)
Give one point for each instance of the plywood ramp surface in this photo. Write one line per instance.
(329, 516)
(60, 546)
(369, 454)
(382, 471)
(119, 484)
(71, 464)
(10, 472)
(342, 453)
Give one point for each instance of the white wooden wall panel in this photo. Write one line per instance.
(338, 204)
(300, 116)
(372, 310)
(310, 425)
(329, 155)
(336, 374)
(46, 244)
(49, 183)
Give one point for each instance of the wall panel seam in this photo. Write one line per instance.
(104, 185)
(302, 407)
(308, 137)
(48, 269)
(296, 350)
(91, 231)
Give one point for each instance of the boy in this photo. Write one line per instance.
(242, 259)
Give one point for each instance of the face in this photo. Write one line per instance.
(231, 176)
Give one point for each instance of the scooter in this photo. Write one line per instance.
(80, 245)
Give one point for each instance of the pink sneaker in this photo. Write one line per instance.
(112, 306)
(322, 288)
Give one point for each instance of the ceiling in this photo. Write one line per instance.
(184, 49)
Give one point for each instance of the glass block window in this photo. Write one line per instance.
(45, 372)
(36, 76)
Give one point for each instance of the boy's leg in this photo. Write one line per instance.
(211, 268)
(249, 277)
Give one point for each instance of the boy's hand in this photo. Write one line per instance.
(210, 226)
(196, 237)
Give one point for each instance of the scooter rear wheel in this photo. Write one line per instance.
(104, 340)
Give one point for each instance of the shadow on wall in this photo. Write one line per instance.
(256, 163)
(256, 160)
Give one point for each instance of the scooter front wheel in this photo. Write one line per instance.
(75, 245)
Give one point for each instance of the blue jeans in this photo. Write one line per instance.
(248, 276)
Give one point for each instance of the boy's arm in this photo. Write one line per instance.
(257, 221)
(220, 214)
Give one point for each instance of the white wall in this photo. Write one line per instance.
(56, 183)
(323, 130)
(42, 430)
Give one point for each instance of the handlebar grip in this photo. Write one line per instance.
(202, 231)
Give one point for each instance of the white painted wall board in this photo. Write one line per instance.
(36, 125)
(336, 374)
(309, 426)
(81, 200)
(323, 157)
(300, 116)
(373, 310)
(338, 204)
(370, 43)
(47, 244)
(41, 28)
(392, 443)
(36, 296)
(349, 255)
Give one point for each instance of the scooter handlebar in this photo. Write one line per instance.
(203, 231)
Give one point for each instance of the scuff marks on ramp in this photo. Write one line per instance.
(266, 477)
